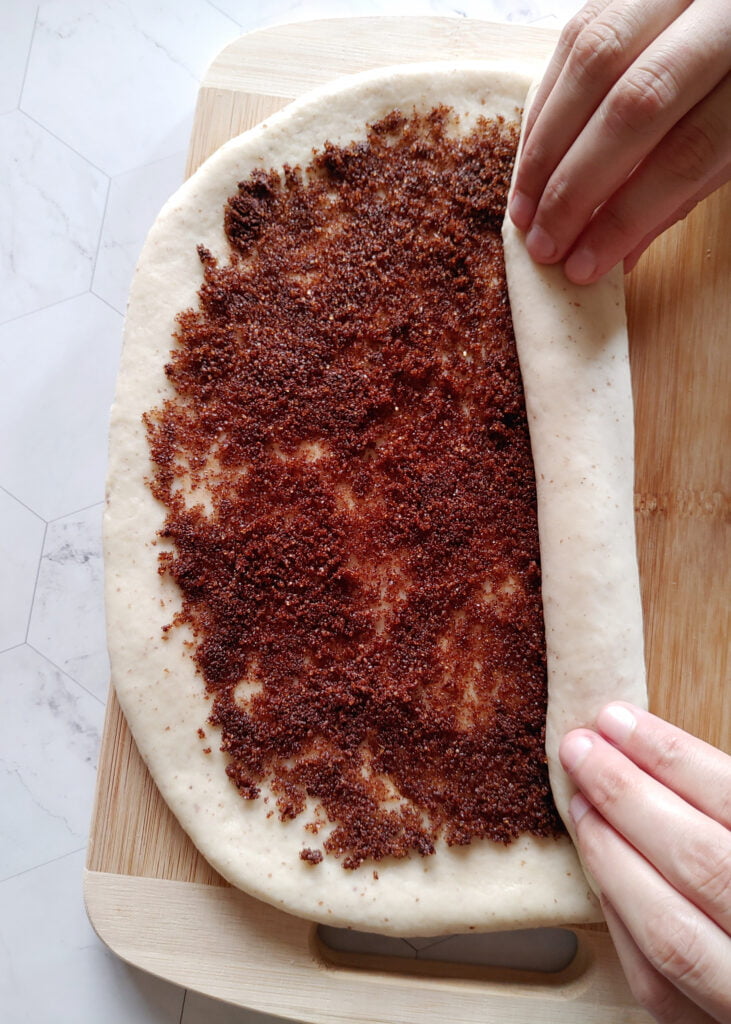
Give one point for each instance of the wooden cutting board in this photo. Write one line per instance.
(149, 894)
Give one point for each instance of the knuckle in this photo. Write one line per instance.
(576, 25)
(674, 946)
(669, 752)
(609, 789)
(597, 52)
(705, 872)
(690, 151)
(534, 160)
(615, 221)
(639, 98)
(557, 203)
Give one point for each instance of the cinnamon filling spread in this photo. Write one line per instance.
(350, 498)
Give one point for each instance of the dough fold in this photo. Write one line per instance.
(573, 350)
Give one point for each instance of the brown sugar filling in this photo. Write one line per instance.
(350, 496)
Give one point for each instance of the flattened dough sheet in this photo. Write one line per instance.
(579, 402)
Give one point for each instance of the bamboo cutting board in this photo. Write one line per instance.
(150, 895)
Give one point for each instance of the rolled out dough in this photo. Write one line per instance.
(573, 352)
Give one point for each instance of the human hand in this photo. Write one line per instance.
(629, 129)
(653, 823)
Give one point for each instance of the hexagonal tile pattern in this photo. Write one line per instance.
(135, 200)
(50, 220)
(21, 540)
(141, 60)
(60, 362)
(62, 973)
(96, 104)
(49, 737)
(67, 622)
(16, 29)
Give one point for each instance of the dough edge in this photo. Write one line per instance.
(573, 350)
(482, 887)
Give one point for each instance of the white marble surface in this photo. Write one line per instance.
(96, 106)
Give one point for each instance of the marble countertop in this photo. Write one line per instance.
(96, 107)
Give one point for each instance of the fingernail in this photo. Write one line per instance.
(521, 209)
(617, 723)
(580, 266)
(540, 244)
(578, 807)
(573, 750)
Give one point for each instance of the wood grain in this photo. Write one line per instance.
(679, 309)
(235, 948)
(153, 898)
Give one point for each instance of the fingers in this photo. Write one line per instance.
(619, 88)
(650, 98)
(630, 260)
(680, 943)
(696, 771)
(691, 161)
(560, 55)
(650, 988)
(689, 849)
(594, 50)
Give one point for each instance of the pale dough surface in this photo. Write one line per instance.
(573, 352)
(485, 886)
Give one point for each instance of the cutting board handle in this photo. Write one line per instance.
(223, 943)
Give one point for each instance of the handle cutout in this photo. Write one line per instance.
(536, 956)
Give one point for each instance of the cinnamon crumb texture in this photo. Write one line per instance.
(351, 512)
(311, 856)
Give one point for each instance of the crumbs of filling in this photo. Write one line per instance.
(350, 497)
(311, 856)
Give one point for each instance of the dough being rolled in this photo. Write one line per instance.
(573, 350)
(574, 360)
